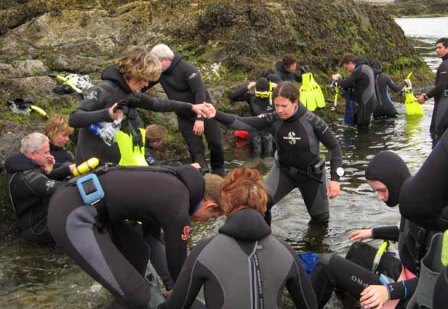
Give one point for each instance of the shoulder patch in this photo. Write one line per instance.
(193, 75)
(50, 184)
(93, 95)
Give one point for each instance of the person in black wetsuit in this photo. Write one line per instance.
(286, 69)
(58, 131)
(236, 266)
(30, 187)
(387, 174)
(439, 90)
(260, 102)
(297, 134)
(98, 238)
(362, 81)
(383, 82)
(181, 81)
(120, 82)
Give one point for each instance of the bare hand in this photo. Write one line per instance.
(168, 293)
(360, 235)
(374, 296)
(250, 85)
(48, 167)
(421, 99)
(333, 189)
(200, 109)
(196, 165)
(336, 76)
(198, 127)
(117, 114)
(211, 110)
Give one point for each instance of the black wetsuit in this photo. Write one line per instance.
(441, 84)
(98, 238)
(286, 75)
(261, 142)
(385, 107)
(425, 195)
(30, 191)
(150, 155)
(297, 139)
(354, 273)
(63, 158)
(94, 109)
(440, 298)
(362, 81)
(182, 82)
(243, 267)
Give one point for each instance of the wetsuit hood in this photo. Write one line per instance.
(18, 162)
(173, 64)
(391, 170)
(113, 74)
(246, 225)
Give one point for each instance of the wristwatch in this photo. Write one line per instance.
(340, 171)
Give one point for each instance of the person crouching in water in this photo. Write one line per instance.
(394, 280)
(235, 267)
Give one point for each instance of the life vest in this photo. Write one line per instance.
(131, 155)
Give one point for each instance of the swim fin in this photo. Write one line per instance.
(311, 94)
(413, 108)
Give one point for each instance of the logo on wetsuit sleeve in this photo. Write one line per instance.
(292, 138)
(192, 76)
(186, 233)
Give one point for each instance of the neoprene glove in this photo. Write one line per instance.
(304, 69)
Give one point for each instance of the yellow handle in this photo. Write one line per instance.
(39, 110)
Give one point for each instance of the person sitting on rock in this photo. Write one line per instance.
(30, 187)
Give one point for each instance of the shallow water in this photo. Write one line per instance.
(36, 277)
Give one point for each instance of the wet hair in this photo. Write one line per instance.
(347, 58)
(243, 188)
(139, 64)
(33, 142)
(444, 42)
(162, 51)
(57, 124)
(213, 187)
(287, 90)
(391, 170)
(288, 60)
(156, 132)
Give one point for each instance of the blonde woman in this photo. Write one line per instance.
(99, 116)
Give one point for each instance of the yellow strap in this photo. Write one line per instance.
(444, 255)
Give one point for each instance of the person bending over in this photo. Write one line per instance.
(97, 236)
(235, 268)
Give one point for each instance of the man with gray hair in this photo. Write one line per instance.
(29, 187)
(181, 81)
